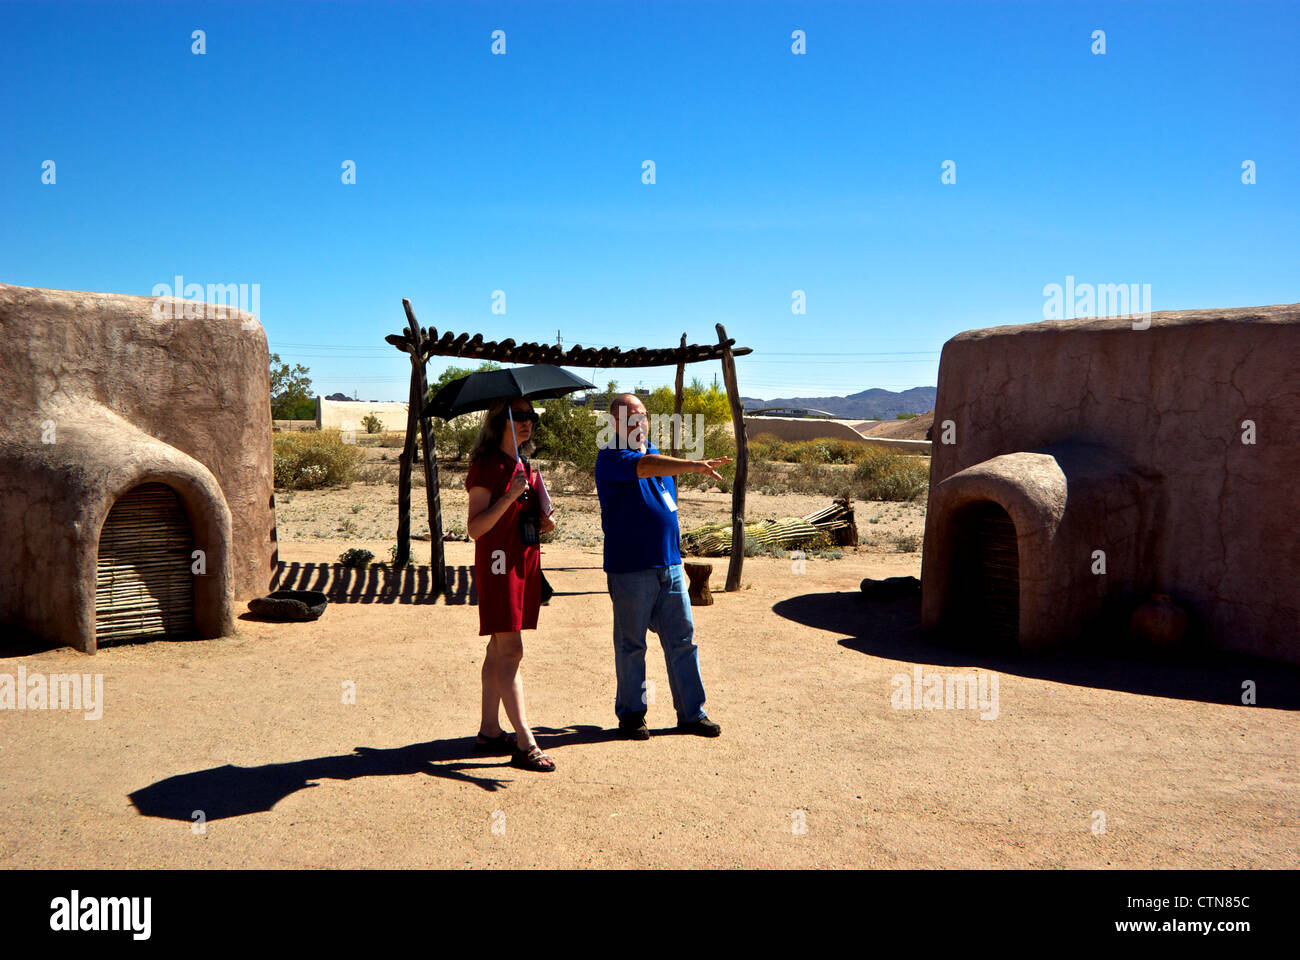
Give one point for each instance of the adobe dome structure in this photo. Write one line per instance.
(136, 492)
(1079, 467)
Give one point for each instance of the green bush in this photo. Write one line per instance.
(356, 558)
(825, 450)
(891, 476)
(568, 432)
(454, 439)
(718, 442)
(372, 423)
(306, 460)
(696, 398)
(767, 446)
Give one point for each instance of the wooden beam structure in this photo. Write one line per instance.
(422, 343)
(507, 351)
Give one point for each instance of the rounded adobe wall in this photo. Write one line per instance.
(1173, 400)
(199, 384)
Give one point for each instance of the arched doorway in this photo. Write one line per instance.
(144, 587)
(984, 611)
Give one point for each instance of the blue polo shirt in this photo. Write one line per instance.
(640, 529)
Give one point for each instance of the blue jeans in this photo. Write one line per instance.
(655, 599)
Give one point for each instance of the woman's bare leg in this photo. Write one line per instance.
(490, 725)
(510, 685)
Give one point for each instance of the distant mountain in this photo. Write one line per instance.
(874, 404)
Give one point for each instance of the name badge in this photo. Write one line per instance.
(668, 497)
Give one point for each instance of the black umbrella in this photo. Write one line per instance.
(478, 390)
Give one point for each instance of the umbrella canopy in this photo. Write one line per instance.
(478, 390)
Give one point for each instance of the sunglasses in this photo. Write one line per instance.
(521, 416)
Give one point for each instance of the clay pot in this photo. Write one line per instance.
(1159, 622)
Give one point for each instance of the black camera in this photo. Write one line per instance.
(528, 530)
(530, 515)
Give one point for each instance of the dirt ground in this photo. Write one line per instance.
(913, 428)
(1083, 766)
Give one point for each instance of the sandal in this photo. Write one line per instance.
(533, 760)
(502, 743)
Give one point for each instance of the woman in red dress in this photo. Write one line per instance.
(504, 521)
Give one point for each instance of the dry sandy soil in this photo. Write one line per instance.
(815, 766)
(912, 429)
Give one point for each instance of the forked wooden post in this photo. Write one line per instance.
(742, 463)
(404, 475)
(419, 397)
(677, 398)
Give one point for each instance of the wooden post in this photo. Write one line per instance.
(742, 464)
(419, 395)
(677, 398)
(404, 478)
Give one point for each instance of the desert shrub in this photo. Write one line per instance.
(824, 450)
(755, 549)
(767, 446)
(569, 433)
(311, 476)
(377, 474)
(372, 423)
(565, 478)
(308, 460)
(454, 439)
(718, 442)
(356, 558)
(891, 476)
(828, 553)
(817, 479)
(392, 438)
(392, 556)
(907, 542)
(711, 401)
(766, 478)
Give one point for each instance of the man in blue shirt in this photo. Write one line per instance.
(643, 570)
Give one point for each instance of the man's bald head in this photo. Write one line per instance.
(630, 401)
(628, 415)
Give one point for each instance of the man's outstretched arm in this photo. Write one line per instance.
(660, 465)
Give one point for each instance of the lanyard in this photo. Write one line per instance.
(663, 492)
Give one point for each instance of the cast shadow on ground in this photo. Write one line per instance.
(377, 583)
(892, 631)
(230, 791)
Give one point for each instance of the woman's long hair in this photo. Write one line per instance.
(495, 428)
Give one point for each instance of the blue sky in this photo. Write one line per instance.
(775, 172)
